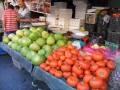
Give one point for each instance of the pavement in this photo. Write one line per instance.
(11, 78)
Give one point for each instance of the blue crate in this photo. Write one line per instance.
(53, 82)
(17, 56)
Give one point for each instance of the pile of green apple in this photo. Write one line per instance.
(35, 44)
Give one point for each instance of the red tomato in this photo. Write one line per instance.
(50, 58)
(105, 61)
(59, 53)
(70, 46)
(81, 76)
(87, 78)
(88, 58)
(96, 83)
(58, 74)
(77, 70)
(109, 71)
(84, 65)
(52, 71)
(111, 65)
(59, 63)
(47, 62)
(53, 64)
(97, 56)
(101, 63)
(94, 67)
(92, 63)
(55, 56)
(104, 86)
(72, 81)
(62, 57)
(87, 72)
(74, 52)
(74, 58)
(82, 86)
(80, 58)
(43, 65)
(68, 54)
(47, 68)
(102, 73)
(69, 61)
(74, 74)
(66, 68)
(66, 74)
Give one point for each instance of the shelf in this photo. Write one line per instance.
(38, 12)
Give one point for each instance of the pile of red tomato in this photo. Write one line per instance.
(89, 72)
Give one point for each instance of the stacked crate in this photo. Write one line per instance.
(114, 30)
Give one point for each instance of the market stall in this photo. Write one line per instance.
(55, 59)
(58, 50)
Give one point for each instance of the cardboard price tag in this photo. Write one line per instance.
(74, 24)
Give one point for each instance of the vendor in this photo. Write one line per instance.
(10, 18)
(102, 24)
(24, 16)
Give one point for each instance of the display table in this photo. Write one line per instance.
(53, 82)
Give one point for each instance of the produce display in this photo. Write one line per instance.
(81, 71)
(36, 44)
(84, 68)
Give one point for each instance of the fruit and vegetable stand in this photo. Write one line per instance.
(62, 64)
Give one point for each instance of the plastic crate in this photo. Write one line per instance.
(114, 24)
(114, 37)
(52, 82)
(111, 45)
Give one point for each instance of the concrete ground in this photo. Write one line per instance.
(12, 78)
